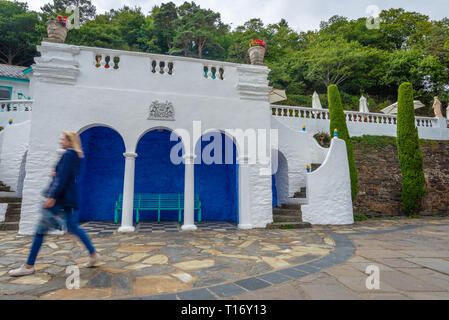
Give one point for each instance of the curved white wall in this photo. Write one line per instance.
(300, 149)
(329, 190)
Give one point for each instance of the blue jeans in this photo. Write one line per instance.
(71, 219)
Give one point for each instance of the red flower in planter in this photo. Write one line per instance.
(258, 43)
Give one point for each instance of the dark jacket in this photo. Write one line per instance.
(63, 187)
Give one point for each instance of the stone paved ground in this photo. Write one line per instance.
(318, 263)
(413, 263)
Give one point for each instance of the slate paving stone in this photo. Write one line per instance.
(227, 290)
(209, 282)
(275, 277)
(101, 280)
(201, 294)
(252, 284)
(307, 268)
(293, 272)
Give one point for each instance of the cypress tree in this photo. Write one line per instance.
(338, 121)
(410, 156)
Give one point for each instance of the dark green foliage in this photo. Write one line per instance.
(410, 156)
(338, 121)
(323, 139)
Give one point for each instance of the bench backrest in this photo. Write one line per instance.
(159, 200)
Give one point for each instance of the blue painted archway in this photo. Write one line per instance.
(217, 184)
(100, 180)
(155, 172)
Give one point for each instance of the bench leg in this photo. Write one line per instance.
(138, 216)
(179, 216)
(116, 216)
(199, 215)
(158, 216)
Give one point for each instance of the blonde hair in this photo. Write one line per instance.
(75, 141)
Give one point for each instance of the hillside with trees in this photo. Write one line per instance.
(408, 47)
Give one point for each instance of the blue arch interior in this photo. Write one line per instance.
(155, 172)
(101, 173)
(217, 184)
(274, 190)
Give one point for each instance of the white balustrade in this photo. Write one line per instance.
(16, 105)
(350, 116)
(213, 72)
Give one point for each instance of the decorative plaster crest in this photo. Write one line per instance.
(162, 111)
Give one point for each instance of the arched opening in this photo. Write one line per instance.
(101, 173)
(280, 185)
(216, 177)
(156, 171)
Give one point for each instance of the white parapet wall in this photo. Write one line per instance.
(297, 149)
(359, 124)
(15, 139)
(329, 190)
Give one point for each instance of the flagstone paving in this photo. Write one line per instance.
(222, 262)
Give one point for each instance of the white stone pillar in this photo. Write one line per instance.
(244, 194)
(128, 193)
(189, 192)
(447, 112)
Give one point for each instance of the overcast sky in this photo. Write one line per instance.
(301, 15)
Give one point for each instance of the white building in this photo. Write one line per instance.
(126, 105)
(14, 86)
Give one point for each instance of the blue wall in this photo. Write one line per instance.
(217, 186)
(101, 173)
(155, 173)
(274, 191)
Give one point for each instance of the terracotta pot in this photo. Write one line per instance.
(256, 55)
(56, 31)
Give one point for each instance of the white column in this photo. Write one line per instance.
(189, 192)
(128, 193)
(244, 194)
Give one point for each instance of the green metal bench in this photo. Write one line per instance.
(157, 202)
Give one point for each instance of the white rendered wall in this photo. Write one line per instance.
(300, 149)
(329, 190)
(15, 144)
(121, 98)
(16, 116)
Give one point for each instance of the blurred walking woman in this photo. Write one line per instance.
(61, 196)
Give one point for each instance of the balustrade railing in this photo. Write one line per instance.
(351, 116)
(15, 105)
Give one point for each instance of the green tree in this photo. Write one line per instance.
(165, 25)
(87, 10)
(196, 28)
(410, 156)
(338, 121)
(19, 33)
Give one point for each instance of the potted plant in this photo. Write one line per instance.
(256, 51)
(57, 29)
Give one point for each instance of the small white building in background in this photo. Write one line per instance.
(14, 86)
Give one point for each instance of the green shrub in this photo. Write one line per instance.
(323, 139)
(410, 156)
(338, 121)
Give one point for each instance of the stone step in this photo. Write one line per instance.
(289, 225)
(14, 205)
(279, 218)
(291, 206)
(5, 189)
(286, 212)
(301, 194)
(315, 166)
(12, 217)
(10, 200)
(9, 226)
